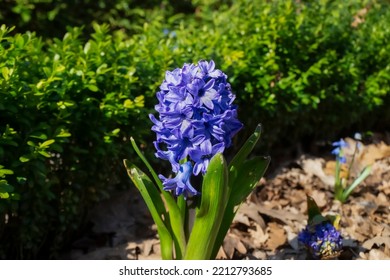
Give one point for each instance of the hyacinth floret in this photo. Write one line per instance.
(322, 240)
(197, 118)
(338, 150)
(181, 183)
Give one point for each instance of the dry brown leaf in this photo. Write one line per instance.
(221, 254)
(377, 240)
(260, 255)
(148, 247)
(277, 236)
(242, 218)
(374, 152)
(282, 215)
(258, 236)
(376, 254)
(319, 198)
(251, 211)
(314, 167)
(382, 199)
(385, 187)
(231, 243)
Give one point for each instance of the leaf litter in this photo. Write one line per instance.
(267, 224)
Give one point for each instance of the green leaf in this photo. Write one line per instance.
(39, 135)
(4, 195)
(25, 158)
(249, 174)
(93, 88)
(5, 172)
(243, 176)
(155, 205)
(175, 214)
(63, 133)
(243, 153)
(5, 73)
(45, 154)
(5, 187)
(211, 210)
(47, 143)
(313, 211)
(363, 175)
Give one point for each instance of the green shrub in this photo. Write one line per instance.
(289, 61)
(68, 108)
(49, 18)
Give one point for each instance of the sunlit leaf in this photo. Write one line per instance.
(210, 213)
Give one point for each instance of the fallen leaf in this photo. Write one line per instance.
(277, 236)
(314, 167)
(320, 198)
(282, 215)
(376, 254)
(231, 243)
(251, 211)
(258, 236)
(377, 240)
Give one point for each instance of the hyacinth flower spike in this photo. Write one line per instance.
(321, 236)
(196, 122)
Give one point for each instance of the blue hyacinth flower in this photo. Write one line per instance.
(196, 118)
(322, 240)
(181, 183)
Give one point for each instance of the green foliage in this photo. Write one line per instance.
(66, 109)
(224, 188)
(50, 18)
(291, 60)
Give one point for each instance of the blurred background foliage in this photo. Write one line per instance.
(78, 78)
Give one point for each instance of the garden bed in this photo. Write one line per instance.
(267, 224)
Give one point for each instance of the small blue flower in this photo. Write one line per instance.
(338, 150)
(322, 240)
(181, 183)
(340, 144)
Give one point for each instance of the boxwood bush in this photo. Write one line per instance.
(69, 104)
(67, 110)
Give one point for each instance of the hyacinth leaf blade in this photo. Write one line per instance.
(363, 175)
(210, 212)
(175, 214)
(245, 150)
(249, 174)
(153, 201)
(152, 190)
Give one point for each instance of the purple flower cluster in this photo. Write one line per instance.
(197, 119)
(338, 150)
(322, 240)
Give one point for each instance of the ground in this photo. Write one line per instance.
(267, 224)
